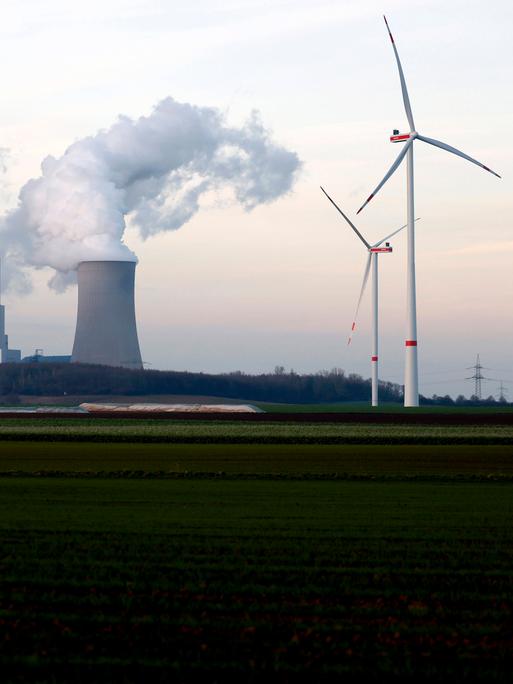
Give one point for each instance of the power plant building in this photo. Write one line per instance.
(106, 332)
(6, 355)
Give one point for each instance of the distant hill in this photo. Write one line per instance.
(59, 379)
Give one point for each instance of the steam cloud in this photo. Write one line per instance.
(154, 170)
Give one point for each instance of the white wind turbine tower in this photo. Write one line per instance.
(372, 259)
(411, 375)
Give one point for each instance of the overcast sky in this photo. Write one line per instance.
(233, 290)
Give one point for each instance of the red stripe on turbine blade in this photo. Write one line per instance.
(388, 29)
(366, 202)
(374, 358)
(353, 326)
(490, 170)
(411, 343)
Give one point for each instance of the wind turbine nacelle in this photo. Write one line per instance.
(381, 250)
(399, 137)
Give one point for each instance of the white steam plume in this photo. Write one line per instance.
(154, 170)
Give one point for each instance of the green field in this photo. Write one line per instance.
(122, 580)
(240, 432)
(365, 407)
(169, 560)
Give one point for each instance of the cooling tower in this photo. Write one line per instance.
(106, 331)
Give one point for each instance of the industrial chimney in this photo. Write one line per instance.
(106, 332)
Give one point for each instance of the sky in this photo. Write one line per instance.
(238, 290)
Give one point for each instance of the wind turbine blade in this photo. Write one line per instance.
(458, 153)
(389, 236)
(364, 284)
(390, 171)
(406, 99)
(350, 223)
(392, 234)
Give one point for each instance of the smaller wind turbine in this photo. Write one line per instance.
(372, 259)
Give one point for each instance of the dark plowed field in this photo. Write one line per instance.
(364, 418)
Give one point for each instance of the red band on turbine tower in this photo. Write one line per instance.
(411, 343)
(374, 358)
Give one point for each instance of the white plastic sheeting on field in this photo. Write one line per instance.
(171, 408)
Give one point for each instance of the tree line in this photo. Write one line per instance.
(53, 379)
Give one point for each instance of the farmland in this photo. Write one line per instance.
(385, 407)
(248, 432)
(340, 461)
(128, 551)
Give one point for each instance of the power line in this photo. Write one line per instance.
(440, 382)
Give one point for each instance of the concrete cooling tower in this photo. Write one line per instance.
(106, 331)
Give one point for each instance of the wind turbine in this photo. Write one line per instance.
(411, 374)
(372, 260)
